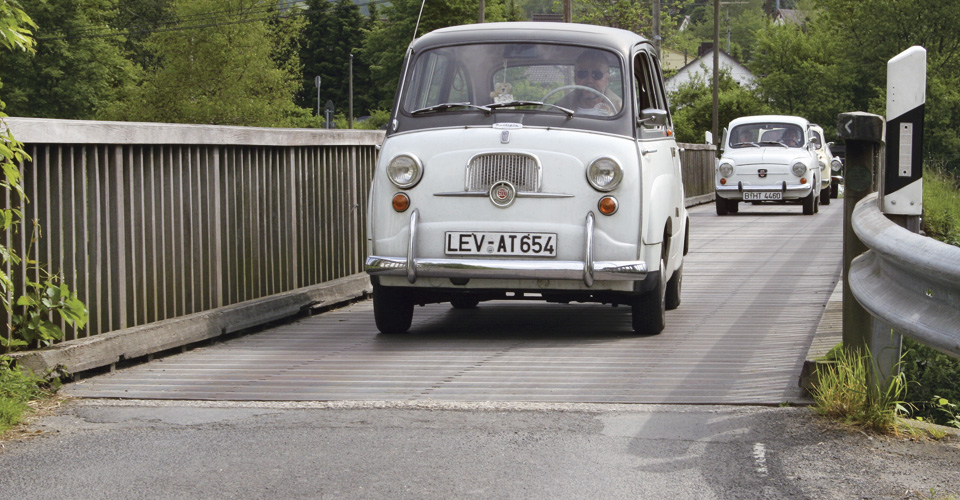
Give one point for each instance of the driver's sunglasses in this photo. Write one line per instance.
(596, 74)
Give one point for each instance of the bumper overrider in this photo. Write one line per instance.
(587, 270)
(789, 191)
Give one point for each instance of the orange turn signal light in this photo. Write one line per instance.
(803, 180)
(401, 202)
(723, 181)
(608, 205)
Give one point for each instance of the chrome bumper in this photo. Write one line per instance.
(783, 188)
(588, 270)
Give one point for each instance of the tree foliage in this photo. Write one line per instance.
(79, 68)
(220, 73)
(692, 105)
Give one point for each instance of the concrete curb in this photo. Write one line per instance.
(97, 351)
(829, 333)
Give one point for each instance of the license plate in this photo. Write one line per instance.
(755, 196)
(500, 243)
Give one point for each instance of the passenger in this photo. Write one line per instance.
(592, 70)
(744, 137)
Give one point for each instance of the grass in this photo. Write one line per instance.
(941, 205)
(17, 389)
(842, 392)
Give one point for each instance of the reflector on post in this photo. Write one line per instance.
(902, 190)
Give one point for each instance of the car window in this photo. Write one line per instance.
(752, 135)
(585, 80)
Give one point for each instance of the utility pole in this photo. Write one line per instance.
(716, 71)
(657, 39)
(568, 11)
(350, 119)
(482, 8)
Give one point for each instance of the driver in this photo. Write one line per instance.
(791, 138)
(591, 70)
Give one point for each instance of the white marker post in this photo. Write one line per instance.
(901, 190)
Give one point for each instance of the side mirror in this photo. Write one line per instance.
(653, 117)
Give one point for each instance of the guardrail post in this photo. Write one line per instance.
(863, 135)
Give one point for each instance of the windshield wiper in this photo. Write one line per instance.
(568, 112)
(748, 143)
(447, 105)
(774, 142)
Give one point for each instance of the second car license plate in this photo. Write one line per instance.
(500, 243)
(750, 196)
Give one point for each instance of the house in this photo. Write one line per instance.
(703, 65)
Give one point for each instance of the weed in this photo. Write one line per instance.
(941, 205)
(17, 388)
(843, 392)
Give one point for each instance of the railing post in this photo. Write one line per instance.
(863, 135)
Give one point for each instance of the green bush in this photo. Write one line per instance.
(941, 205)
(931, 375)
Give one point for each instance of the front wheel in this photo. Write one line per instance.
(649, 309)
(392, 310)
(721, 205)
(674, 286)
(825, 195)
(808, 204)
(463, 302)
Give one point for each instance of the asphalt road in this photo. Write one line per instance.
(99, 449)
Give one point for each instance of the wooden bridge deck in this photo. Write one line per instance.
(755, 287)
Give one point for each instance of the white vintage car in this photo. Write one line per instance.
(824, 159)
(528, 161)
(768, 158)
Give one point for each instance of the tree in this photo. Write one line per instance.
(692, 105)
(631, 15)
(802, 72)
(386, 41)
(871, 32)
(330, 36)
(218, 67)
(79, 68)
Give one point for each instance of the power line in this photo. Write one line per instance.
(179, 25)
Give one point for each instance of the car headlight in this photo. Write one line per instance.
(799, 169)
(604, 174)
(836, 165)
(405, 171)
(726, 169)
(823, 165)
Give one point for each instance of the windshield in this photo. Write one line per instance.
(527, 77)
(752, 135)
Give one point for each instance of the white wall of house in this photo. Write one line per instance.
(704, 67)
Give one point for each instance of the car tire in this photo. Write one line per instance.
(392, 310)
(733, 206)
(834, 190)
(464, 302)
(808, 204)
(721, 205)
(649, 309)
(825, 195)
(674, 287)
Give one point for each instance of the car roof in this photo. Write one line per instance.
(769, 118)
(542, 32)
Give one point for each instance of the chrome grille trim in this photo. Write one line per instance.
(521, 170)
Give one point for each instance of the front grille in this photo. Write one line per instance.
(523, 171)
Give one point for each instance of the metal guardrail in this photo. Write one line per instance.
(908, 281)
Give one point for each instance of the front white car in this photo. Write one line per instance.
(496, 182)
(767, 159)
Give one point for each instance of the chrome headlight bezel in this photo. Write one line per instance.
(405, 170)
(725, 169)
(799, 169)
(836, 165)
(604, 174)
